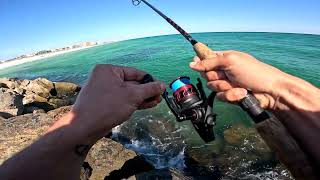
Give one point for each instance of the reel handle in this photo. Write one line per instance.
(145, 80)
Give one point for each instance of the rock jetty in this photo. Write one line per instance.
(29, 107)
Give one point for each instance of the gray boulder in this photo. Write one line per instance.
(24, 83)
(57, 103)
(39, 94)
(246, 137)
(41, 87)
(10, 83)
(19, 132)
(64, 89)
(32, 109)
(33, 98)
(19, 90)
(11, 104)
(107, 156)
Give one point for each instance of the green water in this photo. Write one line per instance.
(167, 57)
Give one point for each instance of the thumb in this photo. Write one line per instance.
(150, 90)
(208, 65)
(232, 95)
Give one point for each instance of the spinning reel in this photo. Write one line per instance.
(191, 103)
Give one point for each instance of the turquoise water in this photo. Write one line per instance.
(167, 57)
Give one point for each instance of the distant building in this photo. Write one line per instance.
(76, 46)
(21, 57)
(87, 44)
(43, 52)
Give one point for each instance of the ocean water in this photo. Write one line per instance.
(154, 133)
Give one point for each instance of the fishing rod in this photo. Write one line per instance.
(170, 21)
(249, 104)
(191, 103)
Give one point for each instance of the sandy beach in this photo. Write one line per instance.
(40, 57)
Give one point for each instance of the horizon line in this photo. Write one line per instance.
(200, 32)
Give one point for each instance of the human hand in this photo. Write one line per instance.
(110, 97)
(232, 73)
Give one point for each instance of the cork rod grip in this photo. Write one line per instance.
(203, 51)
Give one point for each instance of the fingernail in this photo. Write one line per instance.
(193, 64)
(242, 93)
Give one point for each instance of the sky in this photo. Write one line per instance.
(27, 26)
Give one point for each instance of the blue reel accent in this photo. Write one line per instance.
(179, 83)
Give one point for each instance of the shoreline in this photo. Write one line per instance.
(40, 57)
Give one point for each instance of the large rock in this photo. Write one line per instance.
(32, 109)
(11, 104)
(66, 89)
(40, 94)
(24, 83)
(107, 156)
(10, 83)
(131, 167)
(56, 103)
(247, 137)
(18, 132)
(33, 98)
(41, 87)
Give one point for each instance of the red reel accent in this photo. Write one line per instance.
(184, 92)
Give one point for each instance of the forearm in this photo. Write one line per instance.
(51, 157)
(298, 107)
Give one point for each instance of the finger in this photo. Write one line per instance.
(233, 95)
(149, 90)
(133, 82)
(220, 85)
(216, 63)
(266, 101)
(214, 75)
(196, 59)
(129, 73)
(152, 104)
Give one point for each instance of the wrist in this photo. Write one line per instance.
(296, 94)
(72, 131)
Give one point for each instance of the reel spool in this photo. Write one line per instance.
(184, 93)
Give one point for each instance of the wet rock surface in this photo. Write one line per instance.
(244, 155)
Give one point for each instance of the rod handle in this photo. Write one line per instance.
(251, 105)
(203, 51)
